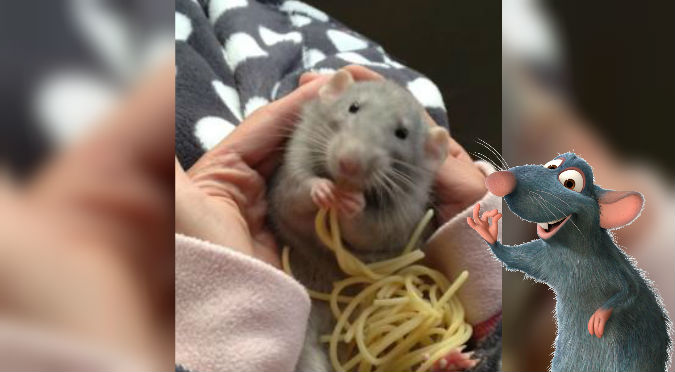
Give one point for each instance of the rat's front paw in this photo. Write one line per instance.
(350, 203)
(322, 192)
(596, 324)
(455, 360)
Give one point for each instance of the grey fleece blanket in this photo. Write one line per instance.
(234, 56)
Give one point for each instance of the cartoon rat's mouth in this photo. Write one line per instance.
(546, 230)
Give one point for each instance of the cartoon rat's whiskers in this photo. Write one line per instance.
(504, 163)
(549, 202)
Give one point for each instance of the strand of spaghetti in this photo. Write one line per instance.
(418, 231)
(454, 287)
(445, 348)
(286, 265)
(343, 319)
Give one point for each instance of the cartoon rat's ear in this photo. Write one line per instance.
(437, 145)
(619, 208)
(337, 85)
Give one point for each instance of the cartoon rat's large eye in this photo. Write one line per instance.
(572, 179)
(553, 164)
(354, 107)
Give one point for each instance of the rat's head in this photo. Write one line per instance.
(560, 197)
(373, 133)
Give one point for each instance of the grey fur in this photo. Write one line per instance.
(384, 226)
(587, 271)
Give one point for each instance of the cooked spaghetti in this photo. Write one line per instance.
(404, 317)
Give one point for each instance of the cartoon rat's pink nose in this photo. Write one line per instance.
(501, 183)
(349, 167)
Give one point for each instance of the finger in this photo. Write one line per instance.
(489, 214)
(307, 77)
(598, 322)
(471, 223)
(362, 73)
(476, 210)
(143, 126)
(181, 178)
(590, 325)
(457, 151)
(262, 133)
(600, 329)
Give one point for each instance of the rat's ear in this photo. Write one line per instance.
(337, 85)
(619, 208)
(437, 145)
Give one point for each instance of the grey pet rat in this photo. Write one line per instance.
(608, 315)
(365, 149)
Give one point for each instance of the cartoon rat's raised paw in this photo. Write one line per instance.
(596, 324)
(488, 231)
(326, 195)
(455, 360)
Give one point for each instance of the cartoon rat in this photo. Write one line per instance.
(609, 317)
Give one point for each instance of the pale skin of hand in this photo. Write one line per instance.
(85, 244)
(226, 186)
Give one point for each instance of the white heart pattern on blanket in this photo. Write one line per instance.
(218, 7)
(426, 92)
(299, 20)
(210, 130)
(253, 104)
(270, 37)
(293, 6)
(360, 60)
(345, 42)
(239, 47)
(183, 27)
(311, 57)
(230, 98)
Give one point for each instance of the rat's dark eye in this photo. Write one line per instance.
(401, 133)
(354, 107)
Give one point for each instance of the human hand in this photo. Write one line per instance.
(488, 231)
(221, 198)
(85, 244)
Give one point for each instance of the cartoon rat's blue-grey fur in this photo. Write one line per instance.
(587, 272)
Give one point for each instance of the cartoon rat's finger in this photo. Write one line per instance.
(476, 211)
(471, 223)
(600, 328)
(596, 328)
(489, 214)
(590, 325)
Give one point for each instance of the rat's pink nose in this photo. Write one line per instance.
(501, 183)
(349, 167)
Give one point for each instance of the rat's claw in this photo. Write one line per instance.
(350, 203)
(323, 193)
(596, 324)
(455, 360)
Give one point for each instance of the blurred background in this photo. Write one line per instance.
(86, 185)
(454, 43)
(595, 78)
